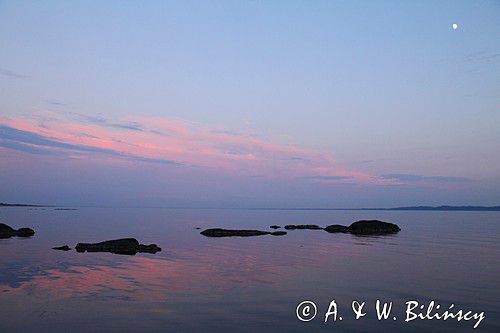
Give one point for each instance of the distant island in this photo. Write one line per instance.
(456, 208)
(3, 204)
(413, 208)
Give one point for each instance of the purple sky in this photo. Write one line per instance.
(250, 104)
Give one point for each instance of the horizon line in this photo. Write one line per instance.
(400, 208)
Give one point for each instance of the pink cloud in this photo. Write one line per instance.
(157, 139)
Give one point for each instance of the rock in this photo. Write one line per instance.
(302, 226)
(62, 248)
(218, 232)
(151, 248)
(279, 233)
(25, 232)
(373, 227)
(7, 231)
(119, 246)
(275, 227)
(337, 228)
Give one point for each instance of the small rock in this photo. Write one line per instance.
(275, 227)
(303, 226)
(278, 233)
(62, 248)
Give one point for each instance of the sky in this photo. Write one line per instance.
(243, 104)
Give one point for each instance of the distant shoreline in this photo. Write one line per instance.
(2, 204)
(409, 208)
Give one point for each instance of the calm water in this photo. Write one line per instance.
(199, 284)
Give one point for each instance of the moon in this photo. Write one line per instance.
(454, 26)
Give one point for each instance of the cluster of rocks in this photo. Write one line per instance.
(119, 246)
(128, 246)
(7, 231)
(363, 227)
(131, 246)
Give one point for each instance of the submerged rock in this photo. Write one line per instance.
(275, 227)
(7, 231)
(218, 232)
(62, 248)
(337, 228)
(119, 246)
(373, 227)
(364, 227)
(302, 226)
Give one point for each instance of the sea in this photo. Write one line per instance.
(304, 281)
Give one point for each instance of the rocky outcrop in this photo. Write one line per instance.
(62, 248)
(373, 227)
(275, 227)
(302, 226)
(119, 246)
(337, 228)
(365, 227)
(7, 231)
(218, 232)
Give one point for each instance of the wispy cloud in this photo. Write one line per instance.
(484, 57)
(12, 74)
(326, 177)
(56, 103)
(409, 178)
(172, 141)
(35, 143)
(103, 122)
(186, 144)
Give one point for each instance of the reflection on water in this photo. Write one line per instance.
(241, 284)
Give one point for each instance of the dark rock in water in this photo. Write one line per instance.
(197, 228)
(62, 248)
(302, 226)
(373, 227)
(7, 231)
(119, 246)
(25, 232)
(275, 227)
(4, 228)
(337, 228)
(278, 233)
(217, 232)
(151, 248)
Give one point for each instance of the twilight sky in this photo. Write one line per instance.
(250, 103)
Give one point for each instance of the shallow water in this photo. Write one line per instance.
(247, 284)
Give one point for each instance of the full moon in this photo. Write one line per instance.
(454, 26)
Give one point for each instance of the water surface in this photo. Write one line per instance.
(200, 284)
